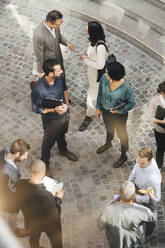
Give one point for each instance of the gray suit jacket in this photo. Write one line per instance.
(46, 46)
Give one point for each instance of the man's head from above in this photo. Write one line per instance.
(127, 191)
(145, 156)
(54, 19)
(37, 170)
(52, 69)
(20, 149)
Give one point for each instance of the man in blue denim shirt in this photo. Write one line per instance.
(55, 120)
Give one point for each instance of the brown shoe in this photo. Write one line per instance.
(103, 148)
(21, 233)
(70, 155)
(48, 172)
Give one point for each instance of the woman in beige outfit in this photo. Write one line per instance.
(94, 60)
(158, 100)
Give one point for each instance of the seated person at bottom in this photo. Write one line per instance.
(146, 174)
(55, 120)
(127, 224)
(40, 208)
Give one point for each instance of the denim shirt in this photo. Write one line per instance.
(107, 99)
(43, 90)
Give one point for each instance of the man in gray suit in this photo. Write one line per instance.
(47, 39)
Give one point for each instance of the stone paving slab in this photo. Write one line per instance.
(142, 8)
(91, 182)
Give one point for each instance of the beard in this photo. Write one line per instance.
(18, 159)
(56, 77)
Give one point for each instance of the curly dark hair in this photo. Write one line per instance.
(96, 32)
(48, 66)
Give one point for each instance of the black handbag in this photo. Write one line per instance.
(111, 58)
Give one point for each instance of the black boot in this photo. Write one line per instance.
(103, 148)
(123, 158)
(85, 123)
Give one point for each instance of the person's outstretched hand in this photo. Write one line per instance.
(70, 46)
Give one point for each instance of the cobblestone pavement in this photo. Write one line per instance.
(91, 182)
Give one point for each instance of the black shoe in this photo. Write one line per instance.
(103, 148)
(85, 123)
(70, 155)
(123, 158)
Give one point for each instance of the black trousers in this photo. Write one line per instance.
(54, 130)
(160, 142)
(54, 237)
(116, 122)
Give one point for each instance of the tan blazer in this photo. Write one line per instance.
(46, 46)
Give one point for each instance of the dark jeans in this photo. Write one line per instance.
(54, 130)
(116, 122)
(160, 142)
(54, 237)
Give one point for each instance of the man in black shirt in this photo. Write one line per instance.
(55, 120)
(41, 209)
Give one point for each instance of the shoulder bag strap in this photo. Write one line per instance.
(102, 43)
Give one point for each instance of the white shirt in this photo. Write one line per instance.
(101, 56)
(90, 50)
(147, 177)
(51, 30)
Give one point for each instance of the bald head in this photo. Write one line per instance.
(38, 168)
(127, 190)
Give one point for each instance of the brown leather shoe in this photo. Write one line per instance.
(103, 148)
(21, 233)
(70, 155)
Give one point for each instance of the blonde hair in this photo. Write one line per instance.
(146, 152)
